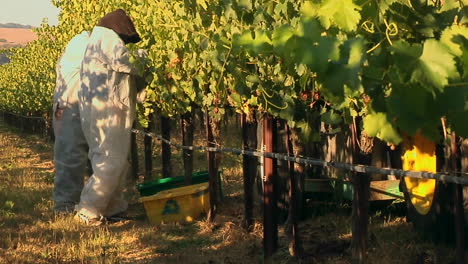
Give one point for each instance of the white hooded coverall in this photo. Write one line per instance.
(107, 108)
(70, 148)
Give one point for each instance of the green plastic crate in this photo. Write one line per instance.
(153, 187)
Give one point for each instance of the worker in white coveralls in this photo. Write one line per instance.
(107, 108)
(70, 147)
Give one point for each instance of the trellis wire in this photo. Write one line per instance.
(27, 117)
(316, 162)
(307, 160)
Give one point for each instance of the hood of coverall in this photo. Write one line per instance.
(121, 24)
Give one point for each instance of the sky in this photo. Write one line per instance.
(28, 12)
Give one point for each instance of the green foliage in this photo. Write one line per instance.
(343, 14)
(399, 66)
(378, 125)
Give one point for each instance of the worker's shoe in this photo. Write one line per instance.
(90, 221)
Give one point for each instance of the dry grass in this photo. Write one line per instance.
(31, 233)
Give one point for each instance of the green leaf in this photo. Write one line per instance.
(245, 4)
(377, 125)
(458, 122)
(464, 58)
(282, 106)
(436, 65)
(405, 53)
(453, 99)
(410, 106)
(454, 104)
(236, 98)
(202, 3)
(345, 72)
(449, 5)
(342, 13)
(453, 37)
(300, 69)
(150, 95)
(310, 29)
(253, 78)
(281, 8)
(316, 55)
(307, 133)
(309, 9)
(253, 101)
(430, 65)
(331, 118)
(257, 41)
(281, 36)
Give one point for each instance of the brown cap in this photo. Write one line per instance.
(121, 24)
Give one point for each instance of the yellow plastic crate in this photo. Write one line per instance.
(177, 205)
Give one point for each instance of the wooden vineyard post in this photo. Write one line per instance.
(166, 148)
(295, 247)
(212, 169)
(249, 166)
(270, 225)
(187, 140)
(148, 148)
(134, 154)
(49, 129)
(458, 204)
(361, 184)
(361, 190)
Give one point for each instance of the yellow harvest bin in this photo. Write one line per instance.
(178, 204)
(420, 155)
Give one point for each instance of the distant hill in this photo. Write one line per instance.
(13, 37)
(14, 25)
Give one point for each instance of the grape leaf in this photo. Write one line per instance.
(257, 42)
(458, 123)
(331, 118)
(436, 65)
(309, 9)
(430, 65)
(342, 13)
(318, 55)
(309, 28)
(409, 106)
(345, 71)
(463, 41)
(448, 38)
(377, 125)
(281, 36)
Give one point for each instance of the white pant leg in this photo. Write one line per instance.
(118, 203)
(108, 135)
(101, 195)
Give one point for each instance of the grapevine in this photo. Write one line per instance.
(399, 65)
